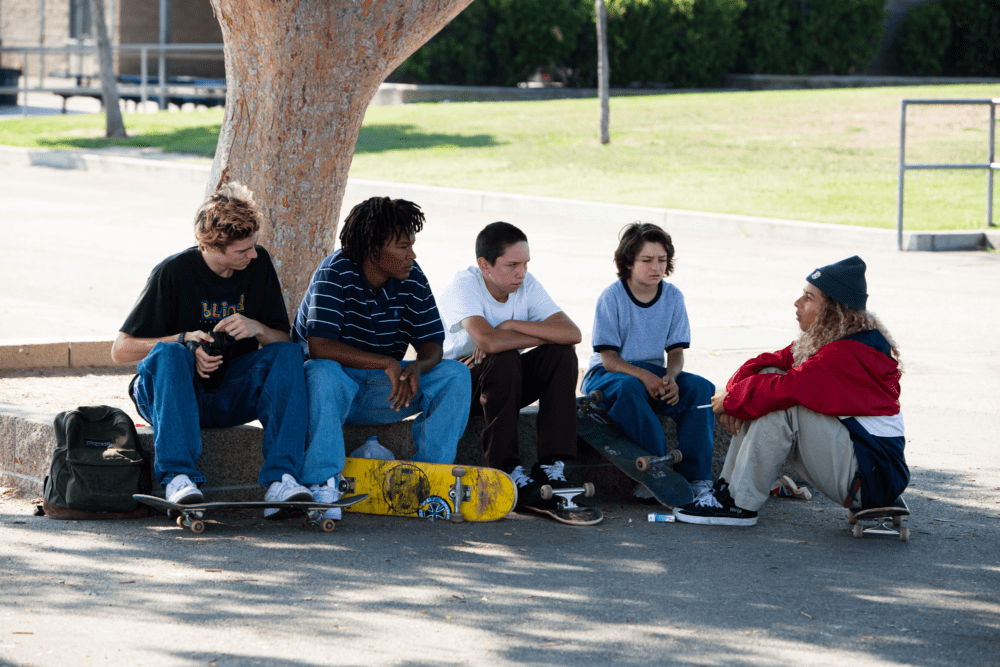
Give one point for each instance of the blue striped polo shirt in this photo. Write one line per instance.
(341, 305)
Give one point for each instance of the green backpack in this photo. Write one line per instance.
(96, 466)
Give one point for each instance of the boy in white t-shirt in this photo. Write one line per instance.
(492, 312)
(639, 318)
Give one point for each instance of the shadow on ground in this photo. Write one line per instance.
(382, 138)
(526, 590)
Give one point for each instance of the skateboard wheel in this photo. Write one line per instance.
(858, 530)
(458, 471)
(545, 492)
(677, 455)
(642, 463)
(588, 490)
(457, 517)
(897, 521)
(197, 526)
(180, 520)
(904, 534)
(596, 396)
(327, 525)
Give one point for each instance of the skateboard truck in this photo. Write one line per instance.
(459, 494)
(566, 496)
(644, 463)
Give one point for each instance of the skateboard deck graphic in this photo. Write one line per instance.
(594, 427)
(877, 520)
(429, 490)
(189, 516)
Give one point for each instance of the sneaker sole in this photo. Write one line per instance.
(713, 520)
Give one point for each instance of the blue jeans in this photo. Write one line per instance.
(339, 395)
(268, 385)
(635, 413)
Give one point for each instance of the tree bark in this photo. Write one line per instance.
(113, 125)
(299, 76)
(603, 69)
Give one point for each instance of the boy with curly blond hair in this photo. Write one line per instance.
(223, 289)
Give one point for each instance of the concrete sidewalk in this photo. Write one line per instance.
(796, 589)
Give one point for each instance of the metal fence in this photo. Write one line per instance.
(162, 87)
(989, 165)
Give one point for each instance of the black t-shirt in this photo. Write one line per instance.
(183, 294)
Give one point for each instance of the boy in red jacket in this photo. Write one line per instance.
(829, 403)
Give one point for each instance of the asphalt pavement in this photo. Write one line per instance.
(796, 589)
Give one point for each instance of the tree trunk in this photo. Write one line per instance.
(603, 69)
(299, 76)
(114, 126)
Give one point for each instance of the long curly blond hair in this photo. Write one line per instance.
(230, 214)
(835, 321)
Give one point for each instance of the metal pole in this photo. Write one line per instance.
(144, 74)
(24, 61)
(41, 42)
(902, 172)
(989, 169)
(164, 19)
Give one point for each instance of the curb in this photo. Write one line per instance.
(514, 204)
(54, 353)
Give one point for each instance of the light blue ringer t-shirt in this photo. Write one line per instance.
(639, 331)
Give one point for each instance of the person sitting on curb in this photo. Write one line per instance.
(494, 311)
(365, 305)
(638, 318)
(829, 403)
(226, 286)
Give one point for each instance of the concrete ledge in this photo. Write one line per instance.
(231, 457)
(54, 353)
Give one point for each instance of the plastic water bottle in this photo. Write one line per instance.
(656, 517)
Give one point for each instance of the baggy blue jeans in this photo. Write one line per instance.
(268, 385)
(339, 395)
(632, 410)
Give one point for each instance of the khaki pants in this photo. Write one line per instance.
(818, 446)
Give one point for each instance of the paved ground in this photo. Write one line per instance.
(796, 589)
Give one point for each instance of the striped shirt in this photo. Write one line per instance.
(341, 305)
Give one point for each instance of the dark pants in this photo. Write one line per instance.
(504, 383)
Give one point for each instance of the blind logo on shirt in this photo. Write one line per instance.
(218, 310)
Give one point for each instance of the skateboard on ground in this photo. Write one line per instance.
(875, 521)
(429, 490)
(566, 511)
(190, 516)
(655, 473)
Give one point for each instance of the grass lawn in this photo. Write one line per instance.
(827, 156)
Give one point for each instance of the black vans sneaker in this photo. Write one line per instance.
(527, 488)
(554, 475)
(717, 509)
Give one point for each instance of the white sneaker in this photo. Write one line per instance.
(182, 490)
(287, 490)
(329, 493)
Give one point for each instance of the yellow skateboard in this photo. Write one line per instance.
(429, 490)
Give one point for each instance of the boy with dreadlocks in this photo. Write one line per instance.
(224, 287)
(365, 305)
(829, 403)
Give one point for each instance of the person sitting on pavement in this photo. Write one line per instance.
(226, 286)
(829, 403)
(639, 317)
(494, 312)
(365, 305)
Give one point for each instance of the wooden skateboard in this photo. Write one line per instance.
(572, 514)
(190, 516)
(429, 490)
(875, 521)
(655, 473)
